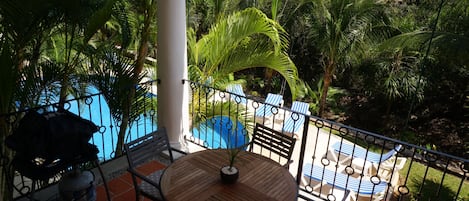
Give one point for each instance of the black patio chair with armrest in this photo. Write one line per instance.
(143, 150)
(272, 144)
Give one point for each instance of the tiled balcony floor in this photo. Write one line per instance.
(121, 188)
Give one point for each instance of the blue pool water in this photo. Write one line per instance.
(106, 138)
(232, 136)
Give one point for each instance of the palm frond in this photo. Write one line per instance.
(40, 85)
(8, 77)
(25, 19)
(452, 47)
(98, 19)
(246, 39)
(256, 54)
(231, 31)
(114, 77)
(120, 13)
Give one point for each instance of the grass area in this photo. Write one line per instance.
(431, 185)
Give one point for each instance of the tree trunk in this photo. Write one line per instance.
(121, 135)
(6, 155)
(20, 58)
(63, 91)
(65, 82)
(124, 122)
(142, 53)
(144, 38)
(269, 73)
(325, 88)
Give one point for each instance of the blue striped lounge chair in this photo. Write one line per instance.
(362, 187)
(367, 160)
(265, 110)
(297, 117)
(237, 93)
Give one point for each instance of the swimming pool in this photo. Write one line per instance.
(216, 132)
(97, 110)
(232, 136)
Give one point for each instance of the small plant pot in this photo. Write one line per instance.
(229, 176)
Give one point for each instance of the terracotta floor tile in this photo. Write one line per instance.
(127, 178)
(117, 186)
(125, 196)
(150, 167)
(121, 188)
(101, 193)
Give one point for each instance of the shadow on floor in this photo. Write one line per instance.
(121, 188)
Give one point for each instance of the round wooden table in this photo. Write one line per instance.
(197, 177)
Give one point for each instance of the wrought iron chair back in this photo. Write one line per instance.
(143, 150)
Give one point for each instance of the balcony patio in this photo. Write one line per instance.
(407, 174)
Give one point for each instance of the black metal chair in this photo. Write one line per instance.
(272, 144)
(143, 150)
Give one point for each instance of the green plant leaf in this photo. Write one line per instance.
(98, 19)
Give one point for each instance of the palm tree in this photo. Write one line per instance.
(136, 19)
(340, 32)
(243, 40)
(26, 26)
(449, 48)
(22, 24)
(424, 58)
(395, 76)
(8, 75)
(113, 74)
(204, 13)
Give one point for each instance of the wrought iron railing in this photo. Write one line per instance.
(330, 160)
(91, 107)
(333, 161)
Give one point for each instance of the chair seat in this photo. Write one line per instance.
(150, 190)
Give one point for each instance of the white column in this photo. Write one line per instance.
(173, 101)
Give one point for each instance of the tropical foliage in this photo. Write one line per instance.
(26, 28)
(246, 39)
(46, 49)
(399, 68)
(341, 30)
(113, 74)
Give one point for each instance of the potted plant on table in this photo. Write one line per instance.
(229, 173)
